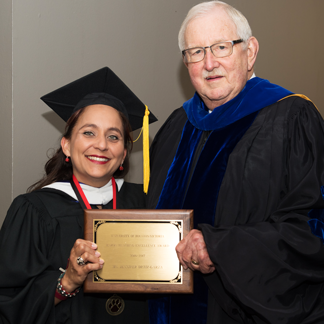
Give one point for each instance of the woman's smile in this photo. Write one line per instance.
(98, 159)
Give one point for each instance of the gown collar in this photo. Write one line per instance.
(254, 96)
(95, 196)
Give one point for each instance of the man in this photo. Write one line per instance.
(248, 157)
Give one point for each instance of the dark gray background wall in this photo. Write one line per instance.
(45, 44)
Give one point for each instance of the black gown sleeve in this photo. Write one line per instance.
(268, 260)
(27, 282)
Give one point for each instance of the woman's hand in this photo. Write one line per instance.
(76, 274)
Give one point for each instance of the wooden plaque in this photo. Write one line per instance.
(138, 246)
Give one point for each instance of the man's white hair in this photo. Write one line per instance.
(243, 28)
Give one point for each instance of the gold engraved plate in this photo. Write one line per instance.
(138, 247)
(138, 250)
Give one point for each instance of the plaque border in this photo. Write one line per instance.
(183, 215)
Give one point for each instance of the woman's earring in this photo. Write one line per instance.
(67, 159)
(121, 168)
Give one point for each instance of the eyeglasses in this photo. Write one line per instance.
(197, 54)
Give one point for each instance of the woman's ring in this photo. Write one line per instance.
(80, 261)
(195, 262)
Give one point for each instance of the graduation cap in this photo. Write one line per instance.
(100, 87)
(104, 87)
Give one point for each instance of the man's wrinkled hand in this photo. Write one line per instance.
(192, 253)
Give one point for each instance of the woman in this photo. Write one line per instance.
(43, 230)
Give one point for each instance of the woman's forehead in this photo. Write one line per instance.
(100, 115)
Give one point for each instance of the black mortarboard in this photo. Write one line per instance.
(100, 87)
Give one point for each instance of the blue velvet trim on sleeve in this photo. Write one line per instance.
(316, 222)
(317, 228)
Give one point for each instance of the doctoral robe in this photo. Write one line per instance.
(269, 266)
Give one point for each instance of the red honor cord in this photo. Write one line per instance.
(113, 182)
(84, 198)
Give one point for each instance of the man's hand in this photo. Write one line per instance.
(192, 253)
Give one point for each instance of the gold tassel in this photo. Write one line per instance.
(146, 150)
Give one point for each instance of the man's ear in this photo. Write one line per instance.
(252, 51)
(65, 145)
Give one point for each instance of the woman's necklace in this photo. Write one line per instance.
(82, 197)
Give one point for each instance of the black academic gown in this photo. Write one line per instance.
(269, 266)
(35, 241)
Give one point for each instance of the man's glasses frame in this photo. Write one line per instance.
(192, 55)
